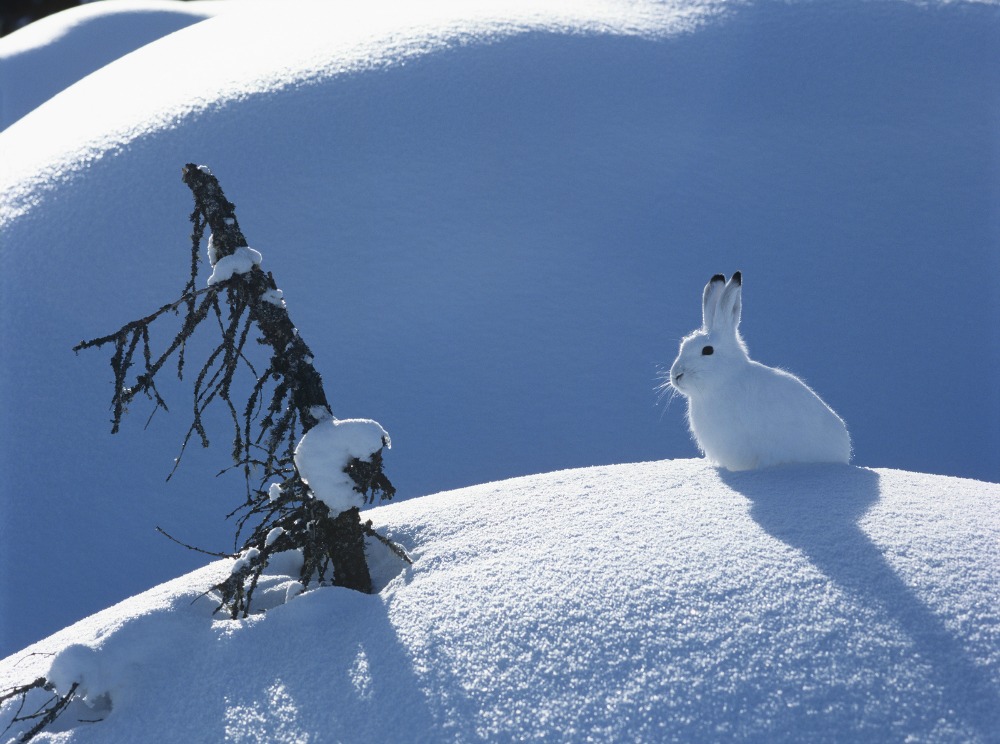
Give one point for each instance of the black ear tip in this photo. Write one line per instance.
(738, 278)
(717, 278)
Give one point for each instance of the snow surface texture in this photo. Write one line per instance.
(326, 449)
(47, 56)
(656, 602)
(488, 223)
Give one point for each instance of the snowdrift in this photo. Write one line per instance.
(663, 601)
(41, 59)
(492, 225)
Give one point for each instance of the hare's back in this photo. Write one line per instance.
(792, 423)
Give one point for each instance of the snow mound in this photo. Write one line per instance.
(49, 55)
(653, 602)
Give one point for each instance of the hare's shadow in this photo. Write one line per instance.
(817, 509)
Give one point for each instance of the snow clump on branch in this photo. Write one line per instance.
(241, 261)
(324, 452)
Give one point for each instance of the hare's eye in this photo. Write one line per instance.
(707, 351)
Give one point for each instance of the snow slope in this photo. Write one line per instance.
(47, 56)
(492, 225)
(654, 602)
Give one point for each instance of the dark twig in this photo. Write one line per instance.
(192, 547)
(45, 714)
(51, 714)
(395, 548)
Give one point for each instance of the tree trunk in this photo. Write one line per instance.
(291, 358)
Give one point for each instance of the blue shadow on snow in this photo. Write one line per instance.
(816, 509)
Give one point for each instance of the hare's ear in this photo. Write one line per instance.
(730, 303)
(710, 300)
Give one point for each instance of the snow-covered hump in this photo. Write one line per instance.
(326, 449)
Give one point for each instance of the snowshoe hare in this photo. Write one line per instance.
(743, 414)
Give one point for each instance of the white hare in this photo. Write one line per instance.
(744, 414)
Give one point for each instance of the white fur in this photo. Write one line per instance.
(743, 414)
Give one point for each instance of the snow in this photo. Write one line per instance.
(275, 297)
(240, 261)
(656, 602)
(488, 223)
(326, 449)
(213, 256)
(272, 536)
(47, 56)
(247, 558)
